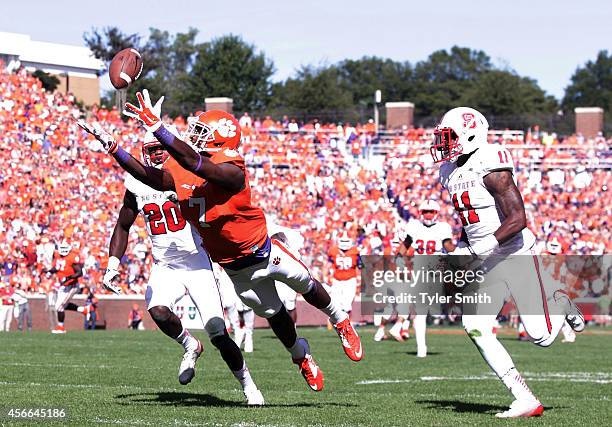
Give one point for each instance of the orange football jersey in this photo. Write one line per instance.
(64, 268)
(345, 263)
(230, 226)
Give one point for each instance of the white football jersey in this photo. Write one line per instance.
(474, 204)
(172, 237)
(427, 240)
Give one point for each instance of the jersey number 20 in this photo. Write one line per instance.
(472, 216)
(164, 219)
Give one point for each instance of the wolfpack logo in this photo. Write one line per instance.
(468, 121)
(276, 261)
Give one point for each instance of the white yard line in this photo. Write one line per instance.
(583, 377)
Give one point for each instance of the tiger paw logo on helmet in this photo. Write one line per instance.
(226, 128)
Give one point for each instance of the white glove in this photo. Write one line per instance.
(105, 138)
(111, 274)
(146, 112)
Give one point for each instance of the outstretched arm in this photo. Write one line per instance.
(228, 176)
(154, 178)
(509, 201)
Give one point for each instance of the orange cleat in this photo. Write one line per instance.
(59, 329)
(350, 340)
(311, 372)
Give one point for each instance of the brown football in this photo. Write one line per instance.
(125, 68)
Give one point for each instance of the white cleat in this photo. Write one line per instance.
(573, 314)
(422, 352)
(253, 396)
(523, 408)
(187, 368)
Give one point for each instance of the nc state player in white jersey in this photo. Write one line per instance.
(182, 266)
(482, 186)
(427, 237)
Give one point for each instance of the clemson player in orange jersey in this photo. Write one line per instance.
(68, 268)
(344, 257)
(210, 179)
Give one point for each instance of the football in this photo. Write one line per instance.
(125, 68)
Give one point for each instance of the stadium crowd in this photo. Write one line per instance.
(57, 184)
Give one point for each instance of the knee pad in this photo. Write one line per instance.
(215, 327)
(160, 313)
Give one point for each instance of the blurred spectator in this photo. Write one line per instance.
(6, 307)
(22, 308)
(135, 318)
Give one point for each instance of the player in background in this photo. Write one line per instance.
(481, 183)
(68, 269)
(426, 239)
(214, 194)
(344, 257)
(181, 266)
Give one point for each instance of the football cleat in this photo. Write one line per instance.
(187, 368)
(253, 396)
(311, 372)
(421, 352)
(405, 334)
(573, 315)
(59, 329)
(351, 343)
(523, 408)
(380, 335)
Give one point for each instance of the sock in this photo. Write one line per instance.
(187, 340)
(244, 377)
(396, 328)
(380, 333)
(420, 328)
(335, 314)
(299, 349)
(515, 383)
(406, 325)
(318, 297)
(60, 323)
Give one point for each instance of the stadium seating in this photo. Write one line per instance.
(57, 184)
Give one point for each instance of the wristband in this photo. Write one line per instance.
(485, 246)
(124, 156)
(113, 263)
(164, 136)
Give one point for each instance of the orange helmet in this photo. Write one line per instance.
(212, 131)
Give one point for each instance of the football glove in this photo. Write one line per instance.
(105, 138)
(147, 113)
(111, 274)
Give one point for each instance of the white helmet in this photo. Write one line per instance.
(63, 248)
(344, 243)
(461, 131)
(554, 246)
(150, 143)
(429, 210)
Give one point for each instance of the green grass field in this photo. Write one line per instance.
(130, 378)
